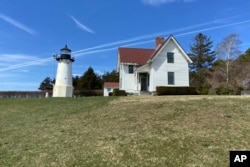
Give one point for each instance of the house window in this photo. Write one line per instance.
(170, 57)
(170, 78)
(130, 69)
(109, 89)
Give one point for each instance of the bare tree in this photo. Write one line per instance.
(228, 50)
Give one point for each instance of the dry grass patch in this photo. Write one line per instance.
(125, 131)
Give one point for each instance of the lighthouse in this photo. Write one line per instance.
(63, 86)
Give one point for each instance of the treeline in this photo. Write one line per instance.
(92, 81)
(89, 80)
(223, 70)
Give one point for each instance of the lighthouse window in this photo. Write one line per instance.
(65, 52)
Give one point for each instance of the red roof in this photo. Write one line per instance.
(135, 55)
(140, 56)
(111, 84)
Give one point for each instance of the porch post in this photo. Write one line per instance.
(136, 81)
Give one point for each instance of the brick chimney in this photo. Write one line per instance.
(159, 41)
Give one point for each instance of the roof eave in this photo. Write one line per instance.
(127, 63)
(166, 42)
(182, 50)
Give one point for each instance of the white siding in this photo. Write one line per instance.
(160, 68)
(127, 81)
(64, 73)
(106, 91)
(63, 86)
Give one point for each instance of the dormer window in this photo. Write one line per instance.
(170, 57)
(130, 69)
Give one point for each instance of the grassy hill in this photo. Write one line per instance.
(125, 131)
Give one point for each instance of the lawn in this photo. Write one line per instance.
(123, 131)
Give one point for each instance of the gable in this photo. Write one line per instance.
(172, 46)
(140, 56)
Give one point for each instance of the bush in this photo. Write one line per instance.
(110, 93)
(117, 92)
(88, 93)
(205, 88)
(223, 90)
(164, 90)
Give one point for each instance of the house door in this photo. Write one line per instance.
(144, 81)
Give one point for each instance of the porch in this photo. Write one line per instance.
(143, 83)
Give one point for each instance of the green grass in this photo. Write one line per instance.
(125, 131)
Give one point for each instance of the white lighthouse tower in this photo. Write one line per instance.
(63, 86)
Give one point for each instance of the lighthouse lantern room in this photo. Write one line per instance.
(63, 86)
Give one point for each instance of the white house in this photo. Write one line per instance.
(145, 69)
(109, 87)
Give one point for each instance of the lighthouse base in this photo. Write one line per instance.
(62, 91)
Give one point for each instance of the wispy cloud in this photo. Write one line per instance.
(15, 58)
(127, 42)
(189, 0)
(81, 25)
(17, 24)
(214, 28)
(161, 2)
(16, 61)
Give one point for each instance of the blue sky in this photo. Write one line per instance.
(33, 31)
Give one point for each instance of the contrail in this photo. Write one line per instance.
(94, 51)
(81, 26)
(17, 24)
(196, 31)
(137, 43)
(16, 66)
(158, 2)
(50, 58)
(151, 35)
(91, 50)
(142, 37)
(214, 28)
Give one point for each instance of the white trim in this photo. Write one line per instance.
(142, 68)
(135, 64)
(179, 47)
(118, 63)
(156, 69)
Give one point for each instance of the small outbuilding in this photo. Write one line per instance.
(109, 87)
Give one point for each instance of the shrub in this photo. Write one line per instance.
(88, 93)
(164, 90)
(205, 88)
(110, 93)
(117, 92)
(223, 90)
